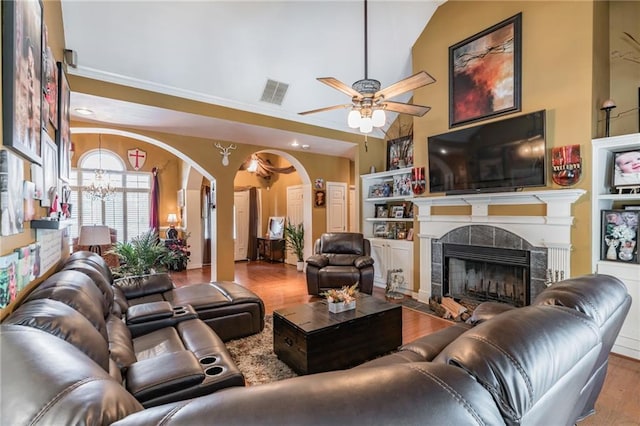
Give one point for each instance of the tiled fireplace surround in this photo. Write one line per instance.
(547, 238)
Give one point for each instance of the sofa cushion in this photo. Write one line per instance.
(91, 270)
(337, 259)
(47, 381)
(65, 323)
(156, 343)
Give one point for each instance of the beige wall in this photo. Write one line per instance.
(557, 75)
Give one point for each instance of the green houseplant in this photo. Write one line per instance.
(142, 255)
(294, 239)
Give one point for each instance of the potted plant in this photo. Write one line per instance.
(144, 254)
(294, 239)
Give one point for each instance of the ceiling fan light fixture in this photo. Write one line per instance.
(366, 125)
(378, 118)
(354, 119)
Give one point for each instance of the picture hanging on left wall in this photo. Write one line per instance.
(22, 71)
(11, 193)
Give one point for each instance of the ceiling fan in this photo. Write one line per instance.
(369, 102)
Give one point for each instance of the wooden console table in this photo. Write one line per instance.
(271, 249)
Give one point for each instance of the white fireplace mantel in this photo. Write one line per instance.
(552, 231)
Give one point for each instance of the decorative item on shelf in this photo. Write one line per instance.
(402, 185)
(172, 233)
(395, 279)
(620, 235)
(400, 152)
(341, 300)
(225, 152)
(607, 106)
(418, 182)
(100, 188)
(94, 236)
(567, 164)
(294, 239)
(626, 171)
(381, 211)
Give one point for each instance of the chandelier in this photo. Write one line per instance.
(100, 188)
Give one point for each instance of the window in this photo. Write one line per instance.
(127, 212)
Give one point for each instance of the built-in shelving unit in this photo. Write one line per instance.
(389, 247)
(628, 342)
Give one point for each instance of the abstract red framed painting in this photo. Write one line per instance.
(485, 73)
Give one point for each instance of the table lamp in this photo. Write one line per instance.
(172, 233)
(94, 236)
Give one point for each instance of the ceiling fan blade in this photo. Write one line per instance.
(410, 83)
(313, 111)
(411, 109)
(338, 85)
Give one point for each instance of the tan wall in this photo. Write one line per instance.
(169, 166)
(557, 75)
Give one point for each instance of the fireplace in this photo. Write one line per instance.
(486, 274)
(480, 220)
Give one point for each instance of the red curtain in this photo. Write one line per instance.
(154, 216)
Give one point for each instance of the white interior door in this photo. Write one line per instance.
(241, 225)
(295, 214)
(336, 207)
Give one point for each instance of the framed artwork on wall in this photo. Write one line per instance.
(620, 235)
(22, 74)
(400, 153)
(485, 73)
(50, 83)
(63, 135)
(50, 167)
(11, 193)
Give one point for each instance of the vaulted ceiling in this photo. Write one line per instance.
(224, 53)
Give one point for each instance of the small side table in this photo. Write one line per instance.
(271, 249)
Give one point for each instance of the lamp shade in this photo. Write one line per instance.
(172, 219)
(366, 126)
(253, 165)
(96, 235)
(378, 118)
(353, 119)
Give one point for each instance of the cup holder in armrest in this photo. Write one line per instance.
(208, 360)
(214, 371)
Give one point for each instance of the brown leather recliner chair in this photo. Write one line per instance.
(340, 259)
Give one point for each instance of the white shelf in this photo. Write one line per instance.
(388, 219)
(387, 199)
(603, 149)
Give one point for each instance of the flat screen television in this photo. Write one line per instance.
(505, 155)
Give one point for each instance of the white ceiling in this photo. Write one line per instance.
(223, 52)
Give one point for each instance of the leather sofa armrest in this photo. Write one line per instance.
(488, 310)
(146, 312)
(163, 375)
(318, 260)
(147, 324)
(363, 261)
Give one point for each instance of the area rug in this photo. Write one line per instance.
(255, 358)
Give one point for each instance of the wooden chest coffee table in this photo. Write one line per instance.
(310, 339)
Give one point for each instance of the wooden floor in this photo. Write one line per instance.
(280, 285)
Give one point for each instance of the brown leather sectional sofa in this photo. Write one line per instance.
(540, 364)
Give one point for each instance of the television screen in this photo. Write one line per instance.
(498, 156)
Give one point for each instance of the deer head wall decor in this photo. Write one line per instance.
(225, 152)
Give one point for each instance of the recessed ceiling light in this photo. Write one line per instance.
(84, 111)
(305, 146)
(295, 143)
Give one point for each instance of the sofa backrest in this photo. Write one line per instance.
(64, 322)
(351, 243)
(76, 290)
(47, 381)
(90, 257)
(529, 359)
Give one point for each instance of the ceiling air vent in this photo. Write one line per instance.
(274, 92)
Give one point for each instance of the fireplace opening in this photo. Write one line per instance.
(486, 274)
